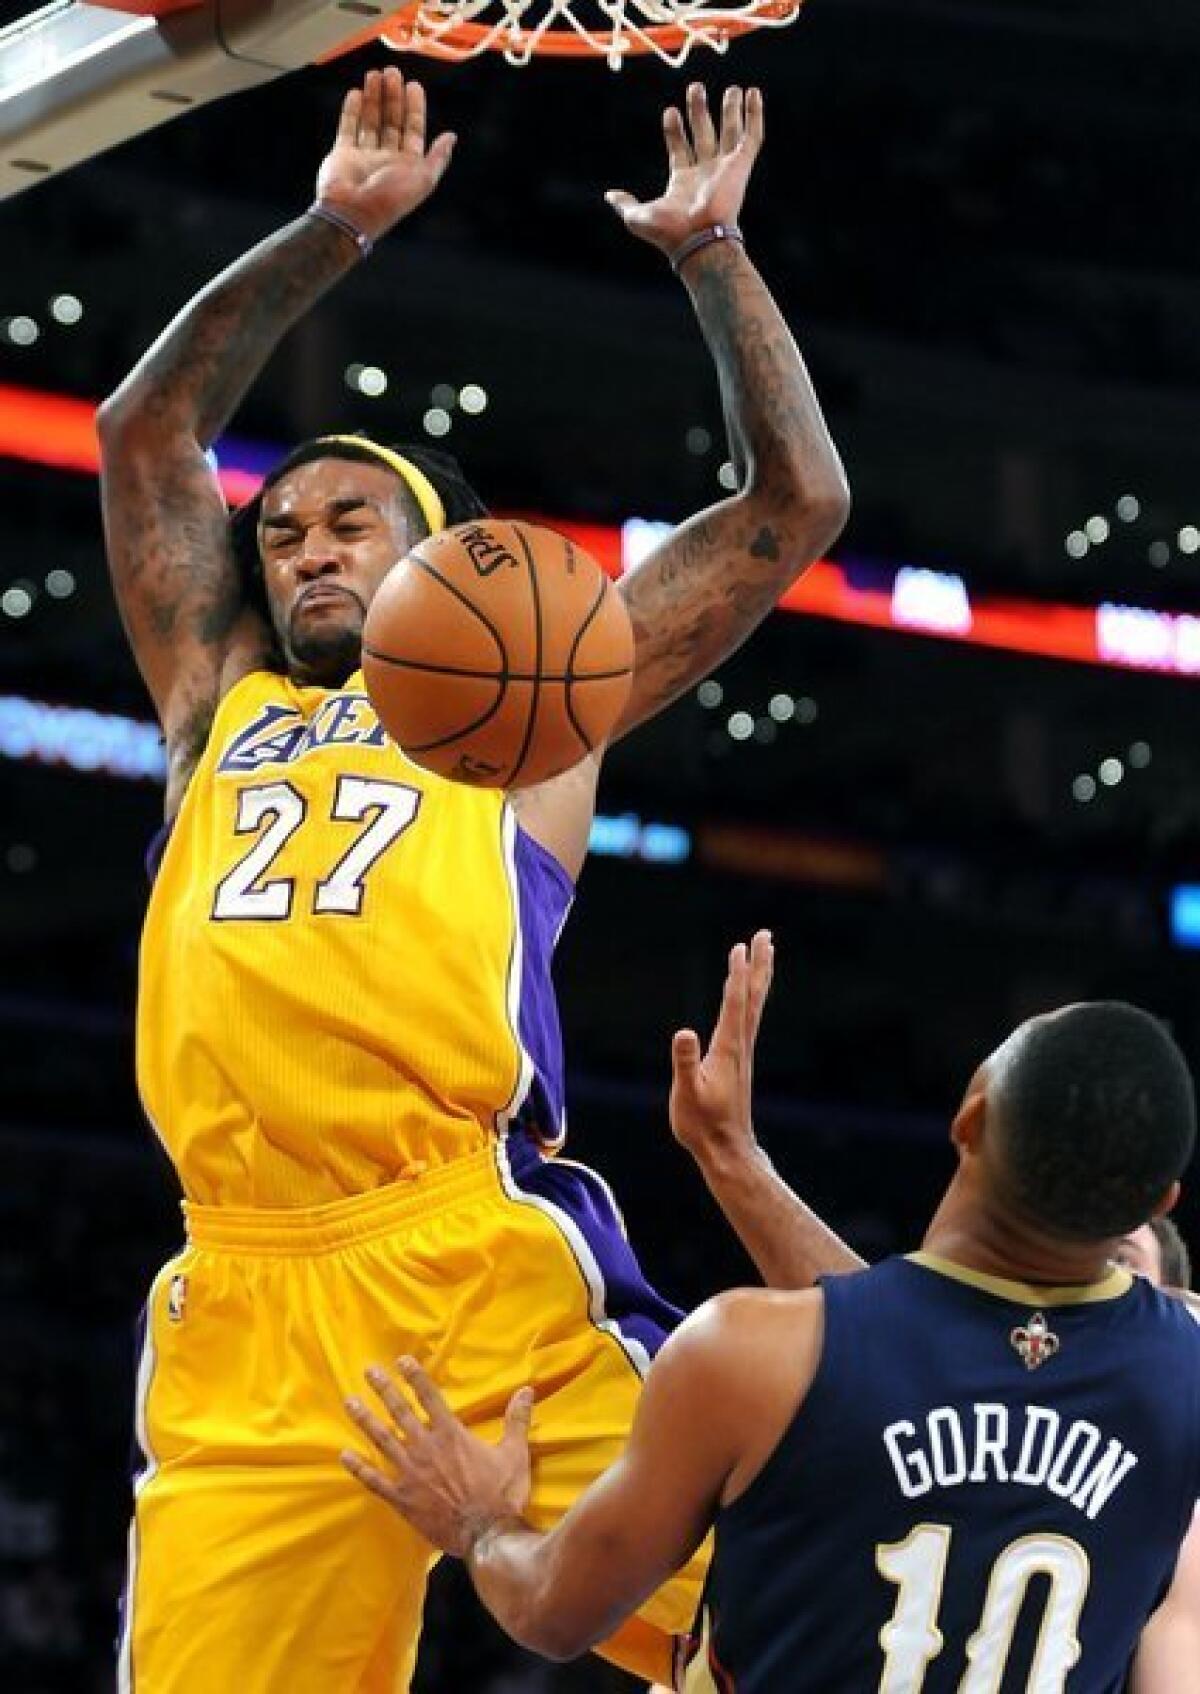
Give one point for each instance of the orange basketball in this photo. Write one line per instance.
(498, 653)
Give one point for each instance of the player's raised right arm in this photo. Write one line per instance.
(165, 519)
(712, 1117)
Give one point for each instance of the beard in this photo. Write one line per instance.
(326, 649)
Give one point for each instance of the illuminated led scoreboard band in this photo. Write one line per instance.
(57, 431)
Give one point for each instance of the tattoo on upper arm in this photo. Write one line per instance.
(178, 586)
(765, 545)
(169, 546)
(197, 371)
(167, 526)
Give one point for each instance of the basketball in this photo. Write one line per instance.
(498, 653)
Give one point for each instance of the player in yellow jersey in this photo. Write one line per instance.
(347, 1037)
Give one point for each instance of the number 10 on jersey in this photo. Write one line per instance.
(911, 1638)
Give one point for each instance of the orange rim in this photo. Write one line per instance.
(402, 32)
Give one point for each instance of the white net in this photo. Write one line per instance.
(613, 30)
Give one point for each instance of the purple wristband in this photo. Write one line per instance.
(339, 221)
(704, 238)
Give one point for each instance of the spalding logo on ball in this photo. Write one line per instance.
(498, 653)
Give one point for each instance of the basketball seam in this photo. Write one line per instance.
(463, 599)
(535, 684)
(467, 729)
(502, 675)
(569, 678)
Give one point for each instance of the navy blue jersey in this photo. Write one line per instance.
(984, 1492)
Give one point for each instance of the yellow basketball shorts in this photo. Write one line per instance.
(256, 1564)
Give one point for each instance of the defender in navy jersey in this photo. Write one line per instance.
(968, 1471)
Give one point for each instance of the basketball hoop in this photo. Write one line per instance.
(613, 30)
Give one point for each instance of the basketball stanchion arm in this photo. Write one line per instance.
(76, 79)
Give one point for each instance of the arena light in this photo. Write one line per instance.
(16, 601)
(60, 584)
(627, 836)
(36, 732)
(740, 726)
(933, 601)
(1185, 914)
(1146, 640)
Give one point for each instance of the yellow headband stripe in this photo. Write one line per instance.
(413, 478)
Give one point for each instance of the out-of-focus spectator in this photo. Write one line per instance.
(1158, 1252)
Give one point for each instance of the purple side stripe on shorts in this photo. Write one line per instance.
(544, 896)
(581, 1204)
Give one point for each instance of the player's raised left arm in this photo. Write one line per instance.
(696, 598)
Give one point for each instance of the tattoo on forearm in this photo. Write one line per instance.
(715, 580)
(765, 545)
(200, 367)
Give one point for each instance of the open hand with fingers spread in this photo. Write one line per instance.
(450, 1486)
(380, 168)
(708, 169)
(711, 1103)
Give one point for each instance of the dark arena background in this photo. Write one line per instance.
(961, 782)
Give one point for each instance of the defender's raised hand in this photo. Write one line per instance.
(380, 168)
(711, 1093)
(708, 171)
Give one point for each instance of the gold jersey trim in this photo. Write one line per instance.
(1110, 1287)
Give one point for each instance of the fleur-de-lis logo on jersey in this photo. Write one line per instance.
(1035, 1341)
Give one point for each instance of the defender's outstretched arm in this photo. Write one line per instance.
(711, 1111)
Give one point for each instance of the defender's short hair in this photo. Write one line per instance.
(1172, 1250)
(459, 500)
(1097, 1118)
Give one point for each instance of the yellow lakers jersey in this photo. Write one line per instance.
(345, 966)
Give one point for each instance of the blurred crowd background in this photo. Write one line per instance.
(980, 219)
